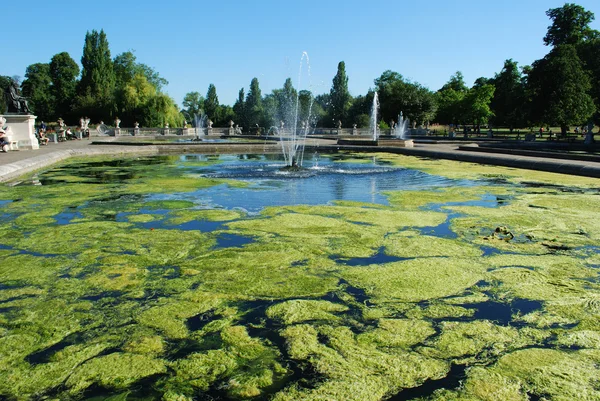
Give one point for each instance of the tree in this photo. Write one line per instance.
(396, 95)
(450, 100)
(126, 67)
(254, 106)
(590, 55)
(509, 96)
(97, 82)
(193, 104)
(239, 109)
(211, 104)
(4, 82)
(37, 88)
(134, 96)
(560, 88)
(476, 105)
(63, 72)
(339, 95)
(570, 25)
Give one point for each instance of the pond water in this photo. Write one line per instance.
(360, 277)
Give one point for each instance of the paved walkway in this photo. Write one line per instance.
(15, 163)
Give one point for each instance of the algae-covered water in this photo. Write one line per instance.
(363, 277)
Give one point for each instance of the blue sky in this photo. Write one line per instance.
(227, 43)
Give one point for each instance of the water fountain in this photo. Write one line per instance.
(373, 120)
(401, 128)
(199, 123)
(291, 137)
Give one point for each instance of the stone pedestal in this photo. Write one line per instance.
(231, 131)
(22, 129)
(117, 131)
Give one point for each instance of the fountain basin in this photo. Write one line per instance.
(398, 143)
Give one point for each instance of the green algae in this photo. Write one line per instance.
(297, 311)
(416, 280)
(181, 217)
(424, 246)
(355, 370)
(398, 333)
(114, 371)
(462, 341)
(246, 366)
(80, 301)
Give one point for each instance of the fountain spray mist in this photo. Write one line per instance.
(374, 111)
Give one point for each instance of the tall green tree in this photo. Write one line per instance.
(211, 104)
(570, 25)
(450, 100)
(509, 96)
(193, 104)
(476, 105)
(589, 52)
(97, 84)
(397, 95)
(239, 108)
(254, 106)
(37, 88)
(63, 73)
(340, 97)
(560, 88)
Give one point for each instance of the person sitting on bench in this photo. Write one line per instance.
(4, 143)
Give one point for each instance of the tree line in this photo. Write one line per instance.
(561, 89)
(103, 89)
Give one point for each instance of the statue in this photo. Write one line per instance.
(339, 124)
(117, 122)
(231, 123)
(136, 128)
(185, 124)
(210, 124)
(15, 103)
(281, 125)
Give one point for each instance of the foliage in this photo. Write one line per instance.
(193, 105)
(254, 106)
(37, 88)
(339, 96)
(63, 72)
(212, 107)
(509, 96)
(450, 100)
(398, 95)
(560, 89)
(477, 104)
(239, 109)
(4, 82)
(570, 25)
(97, 77)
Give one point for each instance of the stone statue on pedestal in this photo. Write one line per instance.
(117, 122)
(15, 103)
